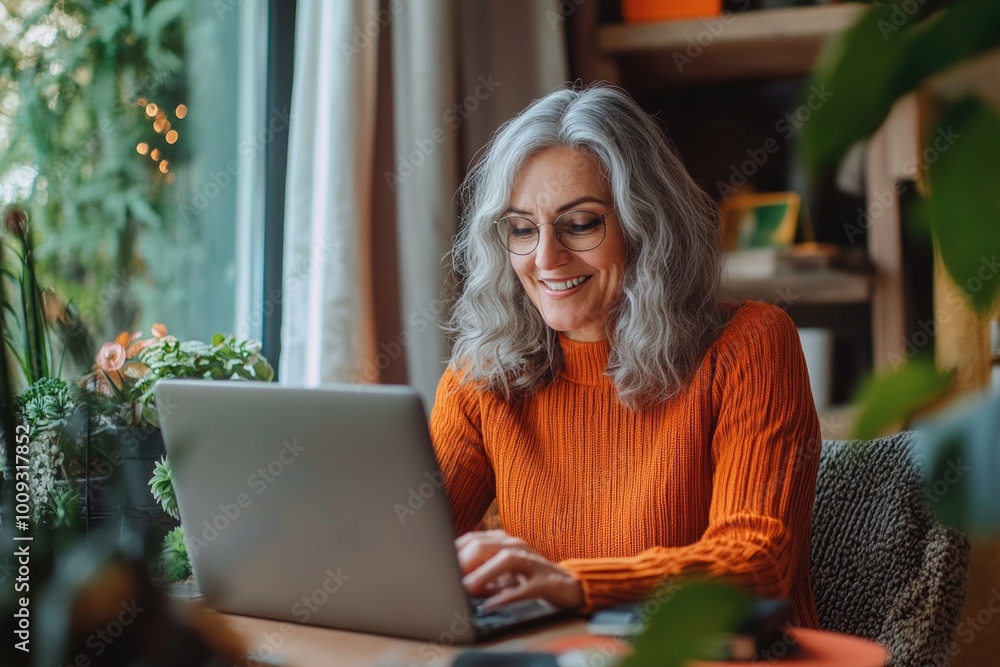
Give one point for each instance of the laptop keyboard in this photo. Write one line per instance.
(512, 614)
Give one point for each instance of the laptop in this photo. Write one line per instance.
(322, 506)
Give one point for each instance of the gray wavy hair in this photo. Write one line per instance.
(668, 310)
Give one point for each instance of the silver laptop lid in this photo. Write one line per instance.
(321, 506)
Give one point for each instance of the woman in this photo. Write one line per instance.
(630, 424)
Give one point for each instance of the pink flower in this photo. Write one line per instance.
(120, 358)
(159, 330)
(111, 357)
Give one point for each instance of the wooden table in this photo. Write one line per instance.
(293, 645)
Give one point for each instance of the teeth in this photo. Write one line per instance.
(559, 287)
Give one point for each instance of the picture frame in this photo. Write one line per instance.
(765, 220)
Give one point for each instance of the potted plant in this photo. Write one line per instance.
(122, 388)
(47, 341)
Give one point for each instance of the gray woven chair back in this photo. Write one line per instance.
(882, 566)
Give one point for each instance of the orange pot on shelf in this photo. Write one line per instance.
(665, 10)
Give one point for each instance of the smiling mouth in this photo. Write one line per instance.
(569, 284)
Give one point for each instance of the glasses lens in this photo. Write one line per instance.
(519, 235)
(580, 230)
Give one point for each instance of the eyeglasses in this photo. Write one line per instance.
(577, 230)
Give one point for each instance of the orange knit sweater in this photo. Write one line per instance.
(718, 480)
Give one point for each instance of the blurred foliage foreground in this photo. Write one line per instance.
(895, 49)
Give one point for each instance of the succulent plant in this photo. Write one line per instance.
(162, 487)
(174, 557)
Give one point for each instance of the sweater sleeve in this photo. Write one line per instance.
(764, 460)
(456, 431)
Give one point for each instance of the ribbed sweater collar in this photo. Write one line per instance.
(585, 362)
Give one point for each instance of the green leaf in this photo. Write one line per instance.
(218, 339)
(174, 556)
(855, 72)
(964, 201)
(897, 395)
(960, 31)
(109, 21)
(884, 56)
(689, 624)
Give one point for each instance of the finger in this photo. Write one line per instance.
(484, 546)
(474, 554)
(507, 562)
(482, 536)
(471, 536)
(510, 594)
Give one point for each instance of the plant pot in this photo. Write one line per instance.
(140, 448)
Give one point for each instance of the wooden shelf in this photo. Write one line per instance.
(764, 44)
(806, 288)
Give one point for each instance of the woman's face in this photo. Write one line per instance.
(554, 181)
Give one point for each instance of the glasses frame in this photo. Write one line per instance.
(602, 216)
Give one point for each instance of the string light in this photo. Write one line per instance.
(161, 125)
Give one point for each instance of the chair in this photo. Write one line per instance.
(882, 566)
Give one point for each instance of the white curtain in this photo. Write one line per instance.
(458, 70)
(327, 322)
(424, 85)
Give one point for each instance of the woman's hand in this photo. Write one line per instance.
(505, 569)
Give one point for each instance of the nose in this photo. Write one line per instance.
(550, 252)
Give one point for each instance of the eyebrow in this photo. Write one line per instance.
(586, 199)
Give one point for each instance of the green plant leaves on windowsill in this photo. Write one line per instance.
(894, 397)
(964, 202)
